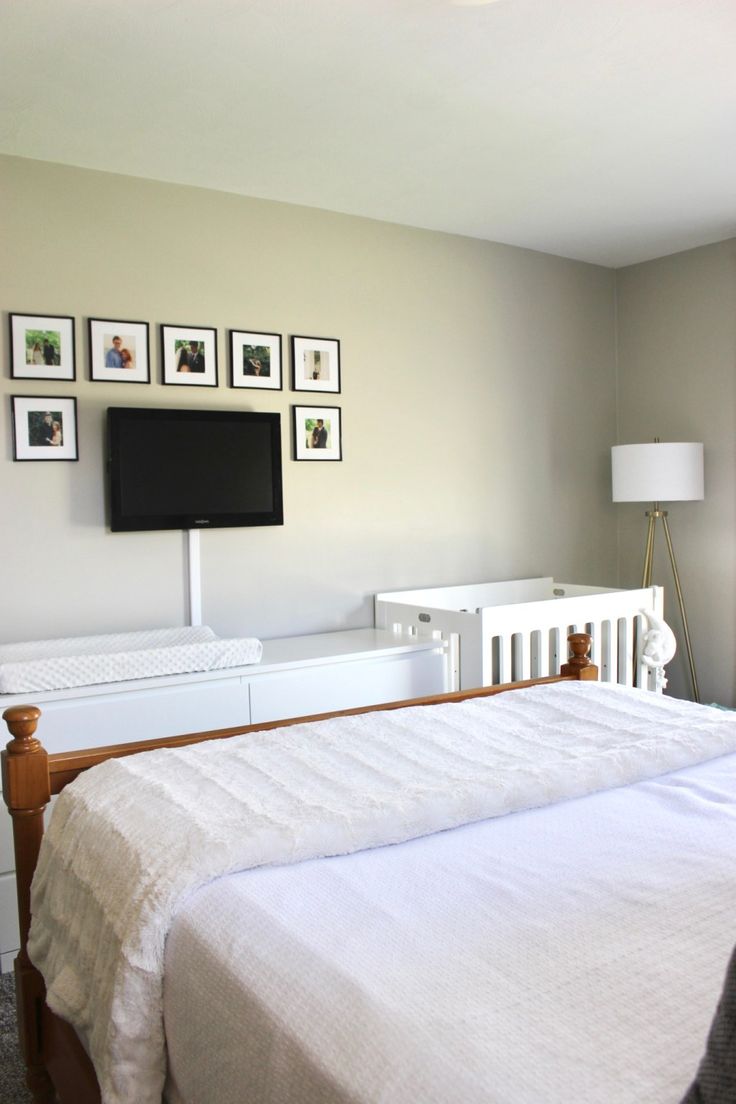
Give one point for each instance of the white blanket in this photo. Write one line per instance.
(129, 840)
(568, 954)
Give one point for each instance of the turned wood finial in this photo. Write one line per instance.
(22, 721)
(579, 664)
(580, 645)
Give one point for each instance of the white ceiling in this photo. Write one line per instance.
(603, 130)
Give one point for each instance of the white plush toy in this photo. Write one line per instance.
(658, 645)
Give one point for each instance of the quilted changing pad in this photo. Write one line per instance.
(116, 657)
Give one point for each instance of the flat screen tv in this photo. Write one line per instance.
(193, 469)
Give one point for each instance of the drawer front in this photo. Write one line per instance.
(98, 721)
(9, 937)
(320, 689)
(7, 855)
(6, 962)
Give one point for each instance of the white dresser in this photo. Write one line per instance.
(297, 676)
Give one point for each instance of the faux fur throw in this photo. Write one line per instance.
(132, 838)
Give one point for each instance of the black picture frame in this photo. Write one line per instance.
(108, 337)
(42, 347)
(44, 427)
(249, 351)
(174, 340)
(316, 433)
(315, 364)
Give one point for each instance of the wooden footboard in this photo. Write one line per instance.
(58, 1067)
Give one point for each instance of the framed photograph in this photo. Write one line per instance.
(189, 355)
(317, 432)
(44, 428)
(42, 347)
(118, 351)
(315, 364)
(255, 360)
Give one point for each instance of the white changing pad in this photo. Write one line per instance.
(116, 657)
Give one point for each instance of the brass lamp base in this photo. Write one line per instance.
(653, 514)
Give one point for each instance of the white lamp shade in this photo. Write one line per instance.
(659, 472)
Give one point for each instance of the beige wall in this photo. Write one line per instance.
(677, 381)
(478, 407)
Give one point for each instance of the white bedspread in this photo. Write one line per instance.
(130, 839)
(561, 955)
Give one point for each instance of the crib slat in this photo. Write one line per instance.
(542, 654)
(615, 662)
(525, 658)
(504, 657)
(555, 660)
(594, 630)
(608, 654)
(625, 651)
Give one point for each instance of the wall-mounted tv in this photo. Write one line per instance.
(193, 469)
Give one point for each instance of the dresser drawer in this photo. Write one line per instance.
(7, 855)
(345, 685)
(9, 937)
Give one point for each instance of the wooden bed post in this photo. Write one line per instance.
(26, 790)
(579, 663)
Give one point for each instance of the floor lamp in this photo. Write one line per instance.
(660, 472)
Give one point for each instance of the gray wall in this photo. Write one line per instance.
(677, 381)
(478, 407)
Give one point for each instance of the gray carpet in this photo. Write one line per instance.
(12, 1072)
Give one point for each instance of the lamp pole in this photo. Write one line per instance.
(652, 515)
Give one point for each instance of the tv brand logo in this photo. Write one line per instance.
(201, 521)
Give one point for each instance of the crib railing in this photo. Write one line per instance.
(521, 640)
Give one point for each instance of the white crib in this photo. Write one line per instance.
(506, 631)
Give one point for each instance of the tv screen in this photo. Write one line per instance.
(193, 469)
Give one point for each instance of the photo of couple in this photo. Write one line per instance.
(45, 428)
(189, 356)
(43, 347)
(318, 433)
(256, 360)
(119, 351)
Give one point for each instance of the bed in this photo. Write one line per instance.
(437, 933)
